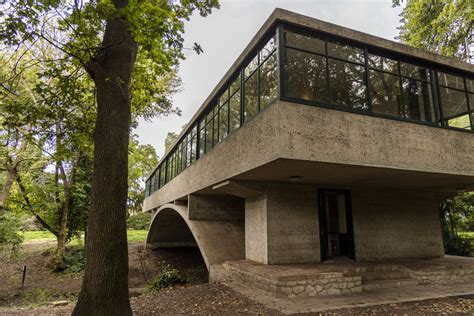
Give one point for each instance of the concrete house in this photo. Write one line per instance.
(320, 145)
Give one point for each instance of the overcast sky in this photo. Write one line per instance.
(224, 34)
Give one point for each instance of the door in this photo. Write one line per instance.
(335, 224)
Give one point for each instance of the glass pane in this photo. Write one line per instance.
(346, 52)
(224, 96)
(416, 72)
(235, 85)
(234, 112)
(453, 102)
(268, 82)
(470, 87)
(250, 97)
(267, 49)
(223, 116)
(305, 42)
(347, 85)
(251, 67)
(193, 149)
(188, 153)
(216, 128)
(385, 94)
(202, 141)
(418, 100)
(383, 63)
(451, 81)
(184, 149)
(208, 136)
(460, 122)
(306, 76)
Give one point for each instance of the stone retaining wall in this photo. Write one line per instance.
(323, 284)
(441, 275)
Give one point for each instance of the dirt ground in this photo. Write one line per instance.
(43, 286)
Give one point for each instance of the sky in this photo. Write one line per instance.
(225, 33)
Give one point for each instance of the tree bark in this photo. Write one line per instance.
(105, 285)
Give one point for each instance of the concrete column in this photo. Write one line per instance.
(281, 226)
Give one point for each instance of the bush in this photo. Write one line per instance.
(168, 277)
(139, 221)
(9, 233)
(75, 260)
(458, 246)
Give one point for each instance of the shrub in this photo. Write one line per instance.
(458, 246)
(139, 221)
(75, 260)
(168, 277)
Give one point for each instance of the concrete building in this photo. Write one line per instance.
(319, 143)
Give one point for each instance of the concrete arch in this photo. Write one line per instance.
(218, 241)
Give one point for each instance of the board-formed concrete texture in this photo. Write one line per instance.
(303, 182)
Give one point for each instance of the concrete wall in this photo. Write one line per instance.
(282, 226)
(396, 224)
(215, 207)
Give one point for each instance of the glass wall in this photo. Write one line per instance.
(319, 70)
(324, 71)
(252, 88)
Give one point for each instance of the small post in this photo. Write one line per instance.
(23, 277)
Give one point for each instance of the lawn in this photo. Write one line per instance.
(42, 235)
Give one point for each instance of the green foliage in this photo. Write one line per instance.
(171, 137)
(75, 260)
(141, 161)
(169, 276)
(139, 221)
(443, 27)
(459, 245)
(137, 235)
(9, 234)
(35, 297)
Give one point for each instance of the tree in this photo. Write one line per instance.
(171, 137)
(142, 159)
(123, 45)
(444, 27)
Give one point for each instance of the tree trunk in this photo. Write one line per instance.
(105, 285)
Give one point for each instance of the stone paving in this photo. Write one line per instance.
(341, 284)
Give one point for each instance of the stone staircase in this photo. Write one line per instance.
(384, 277)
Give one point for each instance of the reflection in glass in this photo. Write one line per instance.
(385, 94)
(306, 76)
(305, 42)
(418, 100)
(268, 81)
(383, 63)
(250, 97)
(346, 52)
(460, 122)
(451, 81)
(347, 85)
(223, 121)
(414, 71)
(453, 102)
(268, 49)
(253, 64)
(234, 112)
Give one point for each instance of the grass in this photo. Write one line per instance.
(41, 235)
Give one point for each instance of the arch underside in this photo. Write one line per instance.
(218, 241)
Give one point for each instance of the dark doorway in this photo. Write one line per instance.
(335, 224)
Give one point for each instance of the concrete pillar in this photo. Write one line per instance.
(281, 225)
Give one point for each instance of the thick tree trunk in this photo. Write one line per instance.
(105, 285)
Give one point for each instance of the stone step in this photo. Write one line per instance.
(384, 275)
(386, 284)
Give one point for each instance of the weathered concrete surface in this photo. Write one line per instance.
(216, 207)
(218, 241)
(396, 224)
(361, 150)
(281, 226)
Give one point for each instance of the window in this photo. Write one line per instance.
(347, 85)
(202, 137)
(234, 111)
(306, 76)
(209, 131)
(223, 121)
(304, 42)
(346, 52)
(250, 96)
(454, 101)
(268, 81)
(418, 100)
(385, 93)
